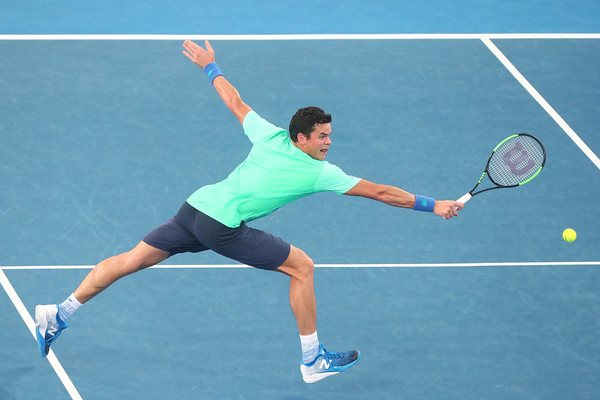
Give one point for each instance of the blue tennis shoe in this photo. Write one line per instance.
(327, 364)
(48, 326)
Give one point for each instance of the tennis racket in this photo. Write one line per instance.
(514, 162)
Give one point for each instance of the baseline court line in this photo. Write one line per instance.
(52, 359)
(304, 36)
(542, 102)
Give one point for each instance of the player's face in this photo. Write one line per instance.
(318, 144)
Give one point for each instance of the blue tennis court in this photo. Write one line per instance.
(103, 138)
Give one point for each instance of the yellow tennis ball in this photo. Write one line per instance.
(569, 235)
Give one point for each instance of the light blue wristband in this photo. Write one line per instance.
(423, 203)
(212, 70)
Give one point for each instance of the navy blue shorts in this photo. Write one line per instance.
(193, 231)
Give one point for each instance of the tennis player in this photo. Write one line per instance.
(278, 170)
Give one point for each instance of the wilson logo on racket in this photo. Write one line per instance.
(517, 156)
(514, 162)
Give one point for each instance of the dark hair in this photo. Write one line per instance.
(305, 119)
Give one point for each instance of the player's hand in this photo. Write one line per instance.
(447, 208)
(197, 54)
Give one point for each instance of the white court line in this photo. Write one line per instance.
(375, 36)
(16, 300)
(542, 102)
(409, 265)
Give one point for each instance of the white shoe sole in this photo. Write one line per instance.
(312, 378)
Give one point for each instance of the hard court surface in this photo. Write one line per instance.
(103, 137)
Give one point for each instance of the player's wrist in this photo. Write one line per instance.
(423, 203)
(212, 71)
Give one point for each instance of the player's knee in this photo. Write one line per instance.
(130, 262)
(140, 257)
(298, 265)
(306, 267)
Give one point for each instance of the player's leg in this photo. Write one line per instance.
(317, 362)
(51, 319)
(166, 240)
(300, 268)
(114, 268)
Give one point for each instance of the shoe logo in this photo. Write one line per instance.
(324, 364)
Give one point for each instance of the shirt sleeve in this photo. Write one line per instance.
(258, 128)
(333, 179)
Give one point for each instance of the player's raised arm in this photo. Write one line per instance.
(399, 198)
(205, 59)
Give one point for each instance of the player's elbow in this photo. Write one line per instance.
(237, 107)
(371, 190)
(233, 102)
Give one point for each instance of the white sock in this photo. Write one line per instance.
(68, 307)
(310, 347)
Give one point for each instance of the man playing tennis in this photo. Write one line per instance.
(278, 170)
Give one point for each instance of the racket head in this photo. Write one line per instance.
(516, 160)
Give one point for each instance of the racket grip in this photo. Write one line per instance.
(466, 197)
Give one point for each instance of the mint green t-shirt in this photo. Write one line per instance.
(275, 173)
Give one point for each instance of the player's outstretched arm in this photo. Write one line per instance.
(229, 94)
(400, 198)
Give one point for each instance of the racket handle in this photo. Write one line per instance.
(466, 197)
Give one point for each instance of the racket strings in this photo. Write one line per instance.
(516, 160)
